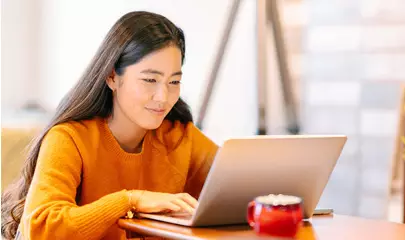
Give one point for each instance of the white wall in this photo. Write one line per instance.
(19, 40)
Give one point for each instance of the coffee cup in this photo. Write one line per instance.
(277, 215)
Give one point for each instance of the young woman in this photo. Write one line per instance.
(121, 140)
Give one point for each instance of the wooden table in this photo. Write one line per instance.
(319, 227)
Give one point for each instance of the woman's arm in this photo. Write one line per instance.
(202, 155)
(50, 209)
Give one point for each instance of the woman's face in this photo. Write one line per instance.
(147, 90)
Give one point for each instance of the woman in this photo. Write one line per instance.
(121, 140)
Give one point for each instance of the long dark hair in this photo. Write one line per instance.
(132, 37)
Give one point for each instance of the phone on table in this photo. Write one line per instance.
(323, 211)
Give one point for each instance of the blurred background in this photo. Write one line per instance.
(345, 58)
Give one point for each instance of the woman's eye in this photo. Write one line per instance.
(149, 80)
(175, 82)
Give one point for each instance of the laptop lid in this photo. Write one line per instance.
(244, 168)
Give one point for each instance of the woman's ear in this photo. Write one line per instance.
(112, 81)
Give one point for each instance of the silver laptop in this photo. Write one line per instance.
(244, 168)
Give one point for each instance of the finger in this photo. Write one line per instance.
(171, 207)
(184, 206)
(188, 199)
(167, 211)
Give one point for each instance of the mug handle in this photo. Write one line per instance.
(250, 211)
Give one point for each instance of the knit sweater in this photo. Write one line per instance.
(79, 189)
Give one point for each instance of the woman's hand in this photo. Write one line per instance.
(154, 202)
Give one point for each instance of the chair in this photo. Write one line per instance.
(14, 146)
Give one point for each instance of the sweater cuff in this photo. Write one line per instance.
(103, 212)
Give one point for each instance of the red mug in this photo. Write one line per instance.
(277, 215)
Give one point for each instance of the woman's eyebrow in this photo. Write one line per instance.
(153, 71)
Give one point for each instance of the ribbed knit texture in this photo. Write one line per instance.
(79, 189)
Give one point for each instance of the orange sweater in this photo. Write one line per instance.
(82, 174)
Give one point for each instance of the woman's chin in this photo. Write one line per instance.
(152, 124)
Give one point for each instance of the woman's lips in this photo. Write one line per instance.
(156, 111)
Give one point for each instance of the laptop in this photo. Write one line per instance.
(245, 168)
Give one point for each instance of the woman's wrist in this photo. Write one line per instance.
(134, 196)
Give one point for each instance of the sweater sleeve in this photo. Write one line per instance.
(50, 209)
(202, 155)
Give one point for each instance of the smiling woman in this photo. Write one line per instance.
(145, 92)
(121, 140)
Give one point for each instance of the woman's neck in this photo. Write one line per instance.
(128, 134)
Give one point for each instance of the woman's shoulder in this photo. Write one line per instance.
(81, 129)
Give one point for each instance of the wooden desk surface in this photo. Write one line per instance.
(319, 227)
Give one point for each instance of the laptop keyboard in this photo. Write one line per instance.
(180, 215)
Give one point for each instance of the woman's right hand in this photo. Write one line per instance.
(155, 202)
